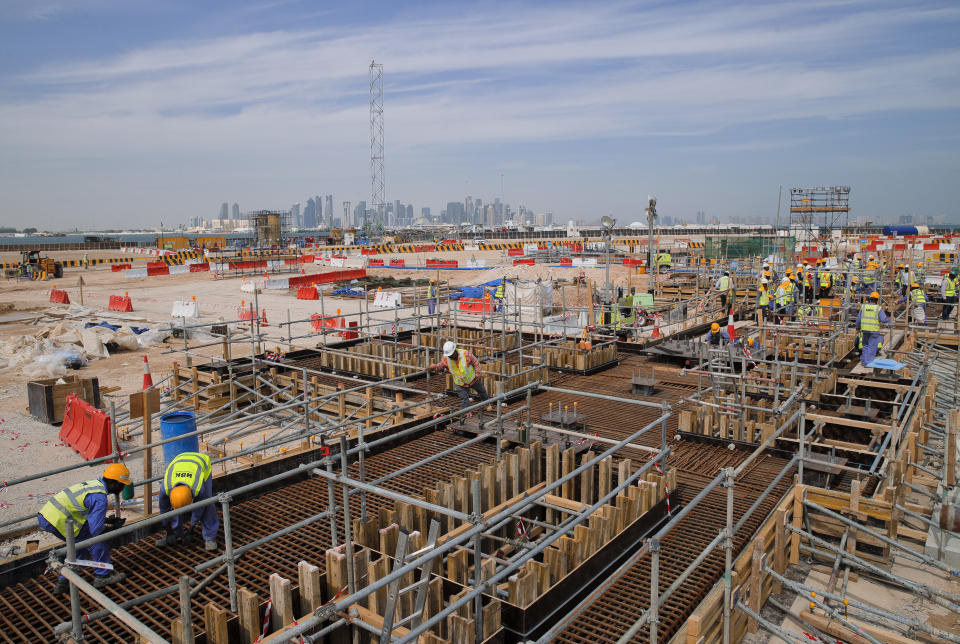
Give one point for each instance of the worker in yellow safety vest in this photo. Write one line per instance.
(189, 479)
(724, 286)
(948, 292)
(826, 282)
(499, 294)
(920, 274)
(432, 296)
(86, 504)
(918, 299)
(464, 367)
(763, 299)
(869, 321)
(664, 261)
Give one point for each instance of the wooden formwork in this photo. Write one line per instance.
(569, 355)
(374, 359)
(479, 342)
(207, 389)
(515, 377)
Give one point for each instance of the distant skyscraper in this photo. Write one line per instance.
(468, 211)
(425, 213)
(409, 217)
(317, 211)
(329, 210)
(224, 210)
(455, 212)
(347, 216)
(310, 214)
(235, 211)
(295, 220)
(398, 211)
(360, 214)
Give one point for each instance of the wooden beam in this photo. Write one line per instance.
(215, 624)
(311, 587)
(249, 604)
(281, 611)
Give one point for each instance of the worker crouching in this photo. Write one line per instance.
(188, 479)
(86, 504)
(464, 367)
(716, 335)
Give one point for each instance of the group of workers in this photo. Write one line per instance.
(187, 480)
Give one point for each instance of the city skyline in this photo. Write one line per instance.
(578, 110)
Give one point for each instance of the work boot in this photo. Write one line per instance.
(100, 581)
(167, 540)
(62, 586)
(210, 546)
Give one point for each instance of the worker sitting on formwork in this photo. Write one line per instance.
(86, 504)
(869, 321)
(464, 368)
(188, 479)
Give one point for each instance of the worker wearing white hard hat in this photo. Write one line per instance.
(464, 367)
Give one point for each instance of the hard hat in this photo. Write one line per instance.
(714, 327)
(449, 347)
(914, 285)
(919, 263)
(180, 496)
(433, 279)
(117, 472)
(872, 257)
(750, 341)
(726, 272)
(874, 296)
(854, 279)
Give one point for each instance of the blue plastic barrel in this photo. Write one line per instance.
(177, 424)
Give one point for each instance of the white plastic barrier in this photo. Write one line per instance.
(273, 265)
(185, 309)
(249, 286)
(530, 249)
(277, 283)
(355, 262)
(199, 260)
(584, 261)
(134, 272)
(387, 299)
(179, 270)
(473, 262)
(337, 261)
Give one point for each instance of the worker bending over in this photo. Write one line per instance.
(464, 367)
(716, 335)
(869, 321)
(188, 479)
(918, 300)
(86, 504)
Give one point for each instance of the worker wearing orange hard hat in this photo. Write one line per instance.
(86, 504)
(188, 479)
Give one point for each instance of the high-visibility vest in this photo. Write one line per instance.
(189, 468)
(789, 290)
(920, 274)
(499, 293)
(431, 291)
(917, 296)
(951, 289)
(724, 283)
(764, 298)
(825, 280)
(870, 317)
(664, 259)
(463, 373)
(68, 504)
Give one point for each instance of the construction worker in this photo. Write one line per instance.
(432, 296)
(763, 299)
(86, 504)
(724, 286)
(464, 367)
(918, 299)
(782, 298)
(948, 291)
(920, 274)
(868, 321)
(664, 261)
(716, 335)
(807, 284)
(826, 282)
(499, 294)
(901, 279)
(188, 479)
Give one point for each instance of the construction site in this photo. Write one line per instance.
(657, 447)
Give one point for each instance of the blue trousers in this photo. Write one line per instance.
(464, 392)
(871, 344)
(432, 305)
(97, 552)
(206, 516)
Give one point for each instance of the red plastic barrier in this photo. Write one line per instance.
(199, 268)
(566, 261)
(512, 252)
(318, 322)
(436, 263)
(162, 269)
(120, 267)
(398, 262)
(931, 247)
(424, 248)
(243, 313)
(631, 261)
(375, 262)
(350, 335)
(528, 261)
(121, 303)
(368, 251)
(86, 429)
(59, 297)
(326, 278)
(155, 264)
(307, 293)
(247, 264)
(475, 305)
(306, 259)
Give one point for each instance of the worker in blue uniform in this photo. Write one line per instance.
(716, 335)
(188, 479)
(868, 321)
(86, 504)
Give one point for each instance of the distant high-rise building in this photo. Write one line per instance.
(409, 217)
(224, 210)
(295, 220)
(455, 212)
(360, 214)
(468, 210)
(310, 214)
(329, 210)
(701, 217)
(398, 211)
(425, 212)
(235, 211)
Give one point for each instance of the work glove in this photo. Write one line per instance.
(113, 523)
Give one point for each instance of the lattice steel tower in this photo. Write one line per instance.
(377, 197)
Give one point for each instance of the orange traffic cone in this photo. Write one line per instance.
(147, 378)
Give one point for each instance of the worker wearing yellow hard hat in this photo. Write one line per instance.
(188, 479)
(86, 505)
(716, 335)
(432, 296)
(869, 320)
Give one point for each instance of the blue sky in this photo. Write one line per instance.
(126, 112)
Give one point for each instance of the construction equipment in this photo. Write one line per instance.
(33, 266)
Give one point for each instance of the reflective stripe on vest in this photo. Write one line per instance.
(431, 291)
(918, 296)
(68, 504)
(870, 317)
(463, 374)
(764, 299)
(951, 289)
(191, 469)
(499, 293)
(825, 280)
